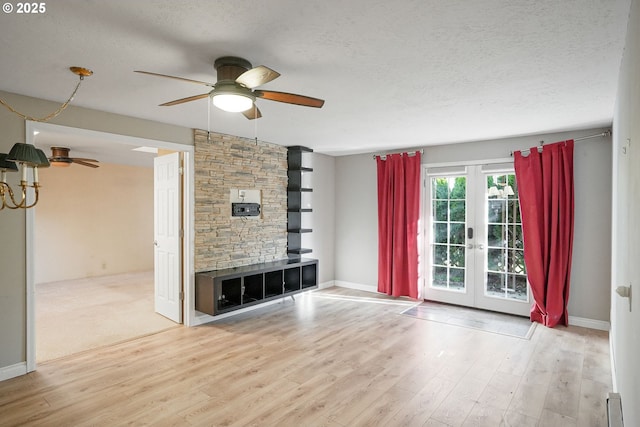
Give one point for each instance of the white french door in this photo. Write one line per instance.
(474, 248)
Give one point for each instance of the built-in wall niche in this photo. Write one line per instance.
(245, 203)
(307, 178)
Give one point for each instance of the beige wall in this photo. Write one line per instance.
(93, 222)
(625, 320)
(13, 331)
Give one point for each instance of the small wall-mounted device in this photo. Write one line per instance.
(625, 292)
(245, 209)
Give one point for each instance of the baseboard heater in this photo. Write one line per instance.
(614, 410)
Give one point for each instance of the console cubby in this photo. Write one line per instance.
(253, 288)
(292, 279)
(230, 294)
(309, 276)
(273, 284)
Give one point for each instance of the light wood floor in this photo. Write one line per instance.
(77, 315)
(323, 361)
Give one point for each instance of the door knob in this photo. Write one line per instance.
(155, 243)
(480, 246)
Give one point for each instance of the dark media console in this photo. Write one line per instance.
(222, 291)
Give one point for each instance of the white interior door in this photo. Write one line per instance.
(474, 248)
(167, 236)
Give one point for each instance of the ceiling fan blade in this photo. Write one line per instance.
(183, 100)
(289, 98)
(83, 159)
(257, 76)
(252, 113)
(176, 78)
(83, 163)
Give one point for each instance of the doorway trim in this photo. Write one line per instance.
(188, 201)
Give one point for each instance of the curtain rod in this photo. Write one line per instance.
(408, 152)
(605, 133)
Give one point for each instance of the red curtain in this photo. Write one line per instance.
(398, 215)
(545, 187)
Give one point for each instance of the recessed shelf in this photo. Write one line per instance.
(299, 251)
(299, 189)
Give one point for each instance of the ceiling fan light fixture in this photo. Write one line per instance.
(60, 163)
(232, 102)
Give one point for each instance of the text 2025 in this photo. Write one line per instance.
(31, 7)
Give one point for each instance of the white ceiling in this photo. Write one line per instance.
(394, 74)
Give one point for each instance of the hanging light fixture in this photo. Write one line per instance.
(29, 157)
(26, 156)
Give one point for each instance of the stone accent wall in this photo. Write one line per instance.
(226, 162)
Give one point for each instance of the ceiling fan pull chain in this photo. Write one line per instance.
(209, 121)
(255, 122)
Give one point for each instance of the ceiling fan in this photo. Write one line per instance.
(60, 157)
(235, 89)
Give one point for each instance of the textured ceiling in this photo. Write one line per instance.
(393, 74)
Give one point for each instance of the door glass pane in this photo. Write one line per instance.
(440, 278)
(440, 256)
(456, 233)
(441, 210)
(506, 276)
(448, 204)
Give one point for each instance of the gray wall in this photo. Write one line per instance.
(356, 220)
(625, 330)
(12, 223)
(324, 213)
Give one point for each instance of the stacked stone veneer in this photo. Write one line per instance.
(225, 162)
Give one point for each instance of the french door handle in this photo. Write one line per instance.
(469, 245)
(480, 246)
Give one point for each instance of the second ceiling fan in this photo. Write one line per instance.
(235, 89)
(60, 157)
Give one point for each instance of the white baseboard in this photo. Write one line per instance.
(325, 285)
(583, 322)
(13, 371)
(357, 286)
